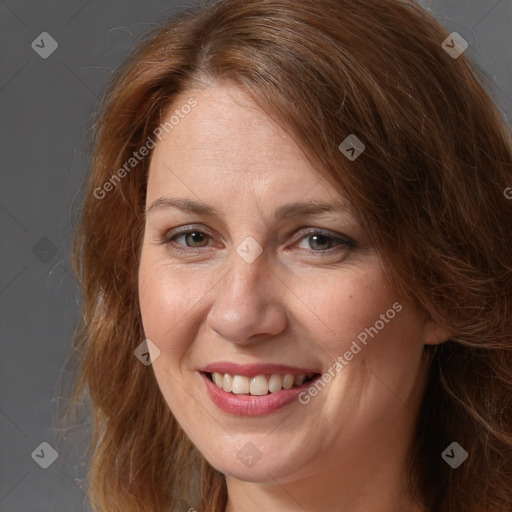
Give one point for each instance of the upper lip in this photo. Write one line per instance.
(250, 370)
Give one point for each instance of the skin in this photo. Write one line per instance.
(346, 449)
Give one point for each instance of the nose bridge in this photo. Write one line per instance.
(248, 279)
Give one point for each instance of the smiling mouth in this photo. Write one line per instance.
(259, 385)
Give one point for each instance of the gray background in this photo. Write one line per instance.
(45, 107)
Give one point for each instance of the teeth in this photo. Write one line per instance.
(288, 381)
(227, 382)
(218, 379)
(258, 385)
(240, 384)
(299, 379)
(275, 383)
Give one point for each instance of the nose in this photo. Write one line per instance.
(248, 303)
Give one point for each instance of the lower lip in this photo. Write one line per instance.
(249, 405)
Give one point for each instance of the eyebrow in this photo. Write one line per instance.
(285, 212)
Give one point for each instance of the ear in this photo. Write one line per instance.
(434, 334)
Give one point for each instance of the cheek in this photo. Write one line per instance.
(162, 297)
(373, 330)
(171, 301)
(347, 305)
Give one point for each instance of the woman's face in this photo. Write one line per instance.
(262, 279)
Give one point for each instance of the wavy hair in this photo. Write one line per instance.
(428, 189)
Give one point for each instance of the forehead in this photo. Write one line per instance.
(227, 147)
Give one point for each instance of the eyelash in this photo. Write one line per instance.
(169, 239)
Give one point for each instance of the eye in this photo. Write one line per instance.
(321, 242)
(190, 236)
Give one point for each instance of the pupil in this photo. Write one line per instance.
(315, 240)
(194, 234)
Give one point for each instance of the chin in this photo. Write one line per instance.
(251, 464)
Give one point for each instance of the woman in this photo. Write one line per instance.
(295, 257)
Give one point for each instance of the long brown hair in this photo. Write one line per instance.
(429, 190)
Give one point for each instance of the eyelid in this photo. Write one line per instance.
(304, 233)
(189, 228)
